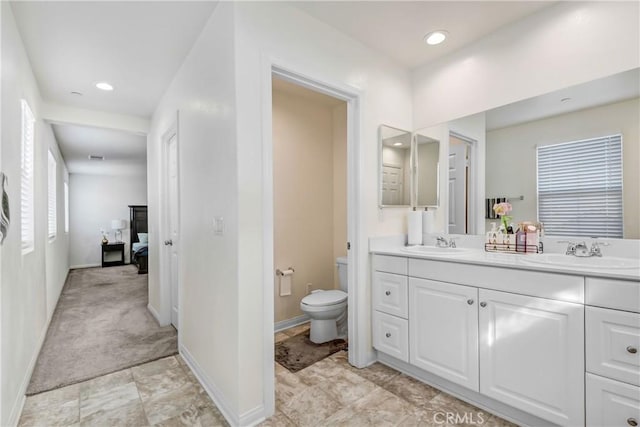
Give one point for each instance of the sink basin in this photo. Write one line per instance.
(433, 250)
(604, 263)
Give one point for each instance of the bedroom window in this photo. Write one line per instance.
(52, 187)
(66, 207)
(27, 225)
(580, 187)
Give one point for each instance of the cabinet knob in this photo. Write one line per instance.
(632, 350)
(387, 293)
(470, 301)
(388, 334)
(483, 304)
(632, 422)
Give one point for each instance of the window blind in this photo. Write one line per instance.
(52, 187)
(580, 187)
(26, 179)
(66, 207)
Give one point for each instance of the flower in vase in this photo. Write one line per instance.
(502, 210)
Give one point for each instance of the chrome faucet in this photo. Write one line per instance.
(442, 242)
(580, 249)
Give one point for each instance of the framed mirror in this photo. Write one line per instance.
(395, 166)
(427, 154)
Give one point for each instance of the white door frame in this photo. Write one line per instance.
(165, 276)
(359, 354)
(472, 209)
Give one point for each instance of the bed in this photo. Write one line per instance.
(139, 238)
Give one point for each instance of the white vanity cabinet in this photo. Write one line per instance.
(612, 332)
(523, 348)
(443, 330)
(531, 353)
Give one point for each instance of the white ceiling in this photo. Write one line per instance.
(615, 88)
(397, 28)
(124, 153)
(137, 46)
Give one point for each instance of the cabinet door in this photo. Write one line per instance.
(443, 330)
(390, 293)
(532, 355)
(611, 403)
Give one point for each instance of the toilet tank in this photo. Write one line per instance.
(341, 263)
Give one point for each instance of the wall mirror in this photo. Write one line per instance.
(427, 155)
(395, 167)
(570, 190)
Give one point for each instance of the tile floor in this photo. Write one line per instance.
(160, 393)
(333, 393)
(328, 393)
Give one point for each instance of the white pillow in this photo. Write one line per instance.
(143, 237)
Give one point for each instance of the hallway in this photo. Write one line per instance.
(101, 325)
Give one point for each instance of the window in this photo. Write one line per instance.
(580, 187)
(26, 179)
(66, 207)
(52, 187)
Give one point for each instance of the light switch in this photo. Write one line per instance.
(218, 226)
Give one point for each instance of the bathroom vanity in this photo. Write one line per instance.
(535, 343)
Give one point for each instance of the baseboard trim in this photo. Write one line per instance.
(212, 390)
(154, 313)
(76, 267)
(17, 407)
(290, 323)
(253, 417)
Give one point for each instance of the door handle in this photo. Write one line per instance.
(168, 242)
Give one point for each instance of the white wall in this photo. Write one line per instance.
(95, 200)
(299, 42)
(560, 46)
(505, 177)
(204, 94)
(31, 282)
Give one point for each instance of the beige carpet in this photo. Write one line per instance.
(101, 325)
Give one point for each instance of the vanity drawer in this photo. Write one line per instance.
(611, 293)
(390, 264)
(611, 403)
(613, 344)
(390, 294)
(391, 335)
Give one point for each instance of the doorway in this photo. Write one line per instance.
(171, 221)
(460, 185)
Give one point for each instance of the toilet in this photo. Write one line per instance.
(328, 309)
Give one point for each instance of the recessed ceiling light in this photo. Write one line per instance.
(76, 93)
(565, 100)
(95, 157)
(436, 37)
(397, 144)
(104, 86)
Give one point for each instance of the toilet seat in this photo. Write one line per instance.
(324, 298)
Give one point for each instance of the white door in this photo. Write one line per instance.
(392, 188)
(173, 224)
(532, 355)
(458, 188)
(443, 330)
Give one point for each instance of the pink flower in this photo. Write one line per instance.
(502, 209)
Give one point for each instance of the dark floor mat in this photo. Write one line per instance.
(298, 352)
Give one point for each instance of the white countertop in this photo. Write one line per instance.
(394, 246)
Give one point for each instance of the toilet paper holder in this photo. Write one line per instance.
(286, 272)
